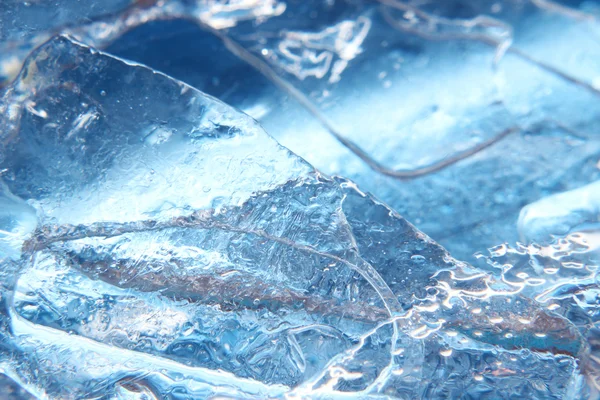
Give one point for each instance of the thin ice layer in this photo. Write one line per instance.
(179, 250)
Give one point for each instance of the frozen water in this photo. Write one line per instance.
(158, 243)
(25, 25)
(390, 84)
(562, 276)
(150, 235)
(560, 214)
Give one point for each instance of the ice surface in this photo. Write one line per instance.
(25, 25)
(562, 276)
(159, 243)
(413, 97)
(560, 214)
(412, 84)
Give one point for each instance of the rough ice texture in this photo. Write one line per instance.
(410, 82)
(410, 100)
(158, 241)
(381, 75)
(397, 66)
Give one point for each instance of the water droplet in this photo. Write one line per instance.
(498, 251)
(446, 352)
(398, 351)
(550, 271)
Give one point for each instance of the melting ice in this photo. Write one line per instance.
(173, 249)
(157, 243)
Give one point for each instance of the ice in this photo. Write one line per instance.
(560, 214)
(22, 20)
(81, 158)
(307, 54)
(417, 95)
(562, 276)
(25, 25)
(17, 221)
(178, 251)
(416, 84)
